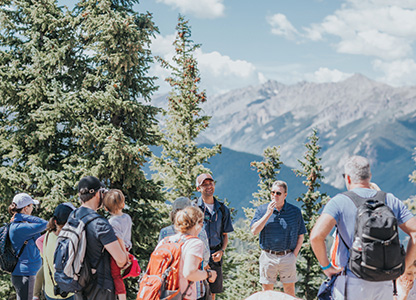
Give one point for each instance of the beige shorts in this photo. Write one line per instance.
(272, 265)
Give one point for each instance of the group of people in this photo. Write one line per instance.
(279, 224)
(107, 249)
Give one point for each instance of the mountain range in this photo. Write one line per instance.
(357, 116)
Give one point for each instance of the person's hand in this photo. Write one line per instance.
(406, 282)
(332, 271)
(216, 256)
(213, 276)
(271, 207)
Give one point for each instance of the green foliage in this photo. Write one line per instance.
(308, 267)
(181, 160)
(73, 92)
(242, 278)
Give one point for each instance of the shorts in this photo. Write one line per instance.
(362, 289)
(216, 287)
(272, 265)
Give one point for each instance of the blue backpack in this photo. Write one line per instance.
(73, 273)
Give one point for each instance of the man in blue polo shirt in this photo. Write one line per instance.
(217, 224)
(281, 229)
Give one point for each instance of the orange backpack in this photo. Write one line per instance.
(161, 280)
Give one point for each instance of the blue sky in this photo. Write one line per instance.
(246, 42)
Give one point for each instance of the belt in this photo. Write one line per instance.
(284, 252)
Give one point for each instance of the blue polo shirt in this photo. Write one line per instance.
(282, 229)
(213, 222)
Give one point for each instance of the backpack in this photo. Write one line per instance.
(376, 253)
(73, 272)
(8, 257)
(161, 280)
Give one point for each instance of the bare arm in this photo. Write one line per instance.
(259, 225)
(117, 253)
(191, 271)
(301, 237)
(409, 228)
(320, 231)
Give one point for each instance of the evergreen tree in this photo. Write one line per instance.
(73, 92)
(35, 77)
(312, 201)
(242, 279)
(181, 159)
(411, 202)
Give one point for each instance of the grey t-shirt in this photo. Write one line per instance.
(122, 227)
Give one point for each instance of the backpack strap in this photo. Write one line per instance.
(380, 196)
(24, 243)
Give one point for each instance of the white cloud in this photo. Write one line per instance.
(208, 9)
(281, 26)
(398, 72)
(327, 75)
(219, 73)
(379, 28)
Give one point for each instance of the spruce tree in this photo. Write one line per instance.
(35, 79)
(181, 159)
(74, 95)
(312, 201)
(243, 279)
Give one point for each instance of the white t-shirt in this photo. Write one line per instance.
(210, 207)
(194, 247)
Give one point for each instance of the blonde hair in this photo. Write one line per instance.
(187, 218)
(113, 200)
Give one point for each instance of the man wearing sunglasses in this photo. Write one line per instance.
(217, 224)
(281, 229)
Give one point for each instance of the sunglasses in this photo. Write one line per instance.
(276, 193)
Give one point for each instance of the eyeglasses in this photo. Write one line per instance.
(276, 193)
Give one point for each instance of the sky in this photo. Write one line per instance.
(246, 42)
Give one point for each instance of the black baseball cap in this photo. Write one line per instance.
(62, 212)
(90, 183)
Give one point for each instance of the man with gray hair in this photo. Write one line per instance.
(341, 211)
(282, 230)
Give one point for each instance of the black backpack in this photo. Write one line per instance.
(376, 253)
(8, 257)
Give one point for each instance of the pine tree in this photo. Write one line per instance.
(181, 159)
(312, 201)
(243, 278)
(74, 95)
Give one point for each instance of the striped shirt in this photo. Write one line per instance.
(282, 229)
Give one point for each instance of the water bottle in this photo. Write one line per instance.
(357, 245)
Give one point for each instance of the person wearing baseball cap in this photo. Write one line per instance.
(100, 237)
(217, 225)
(24, 230)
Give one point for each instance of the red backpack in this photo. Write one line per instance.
(161, 280)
